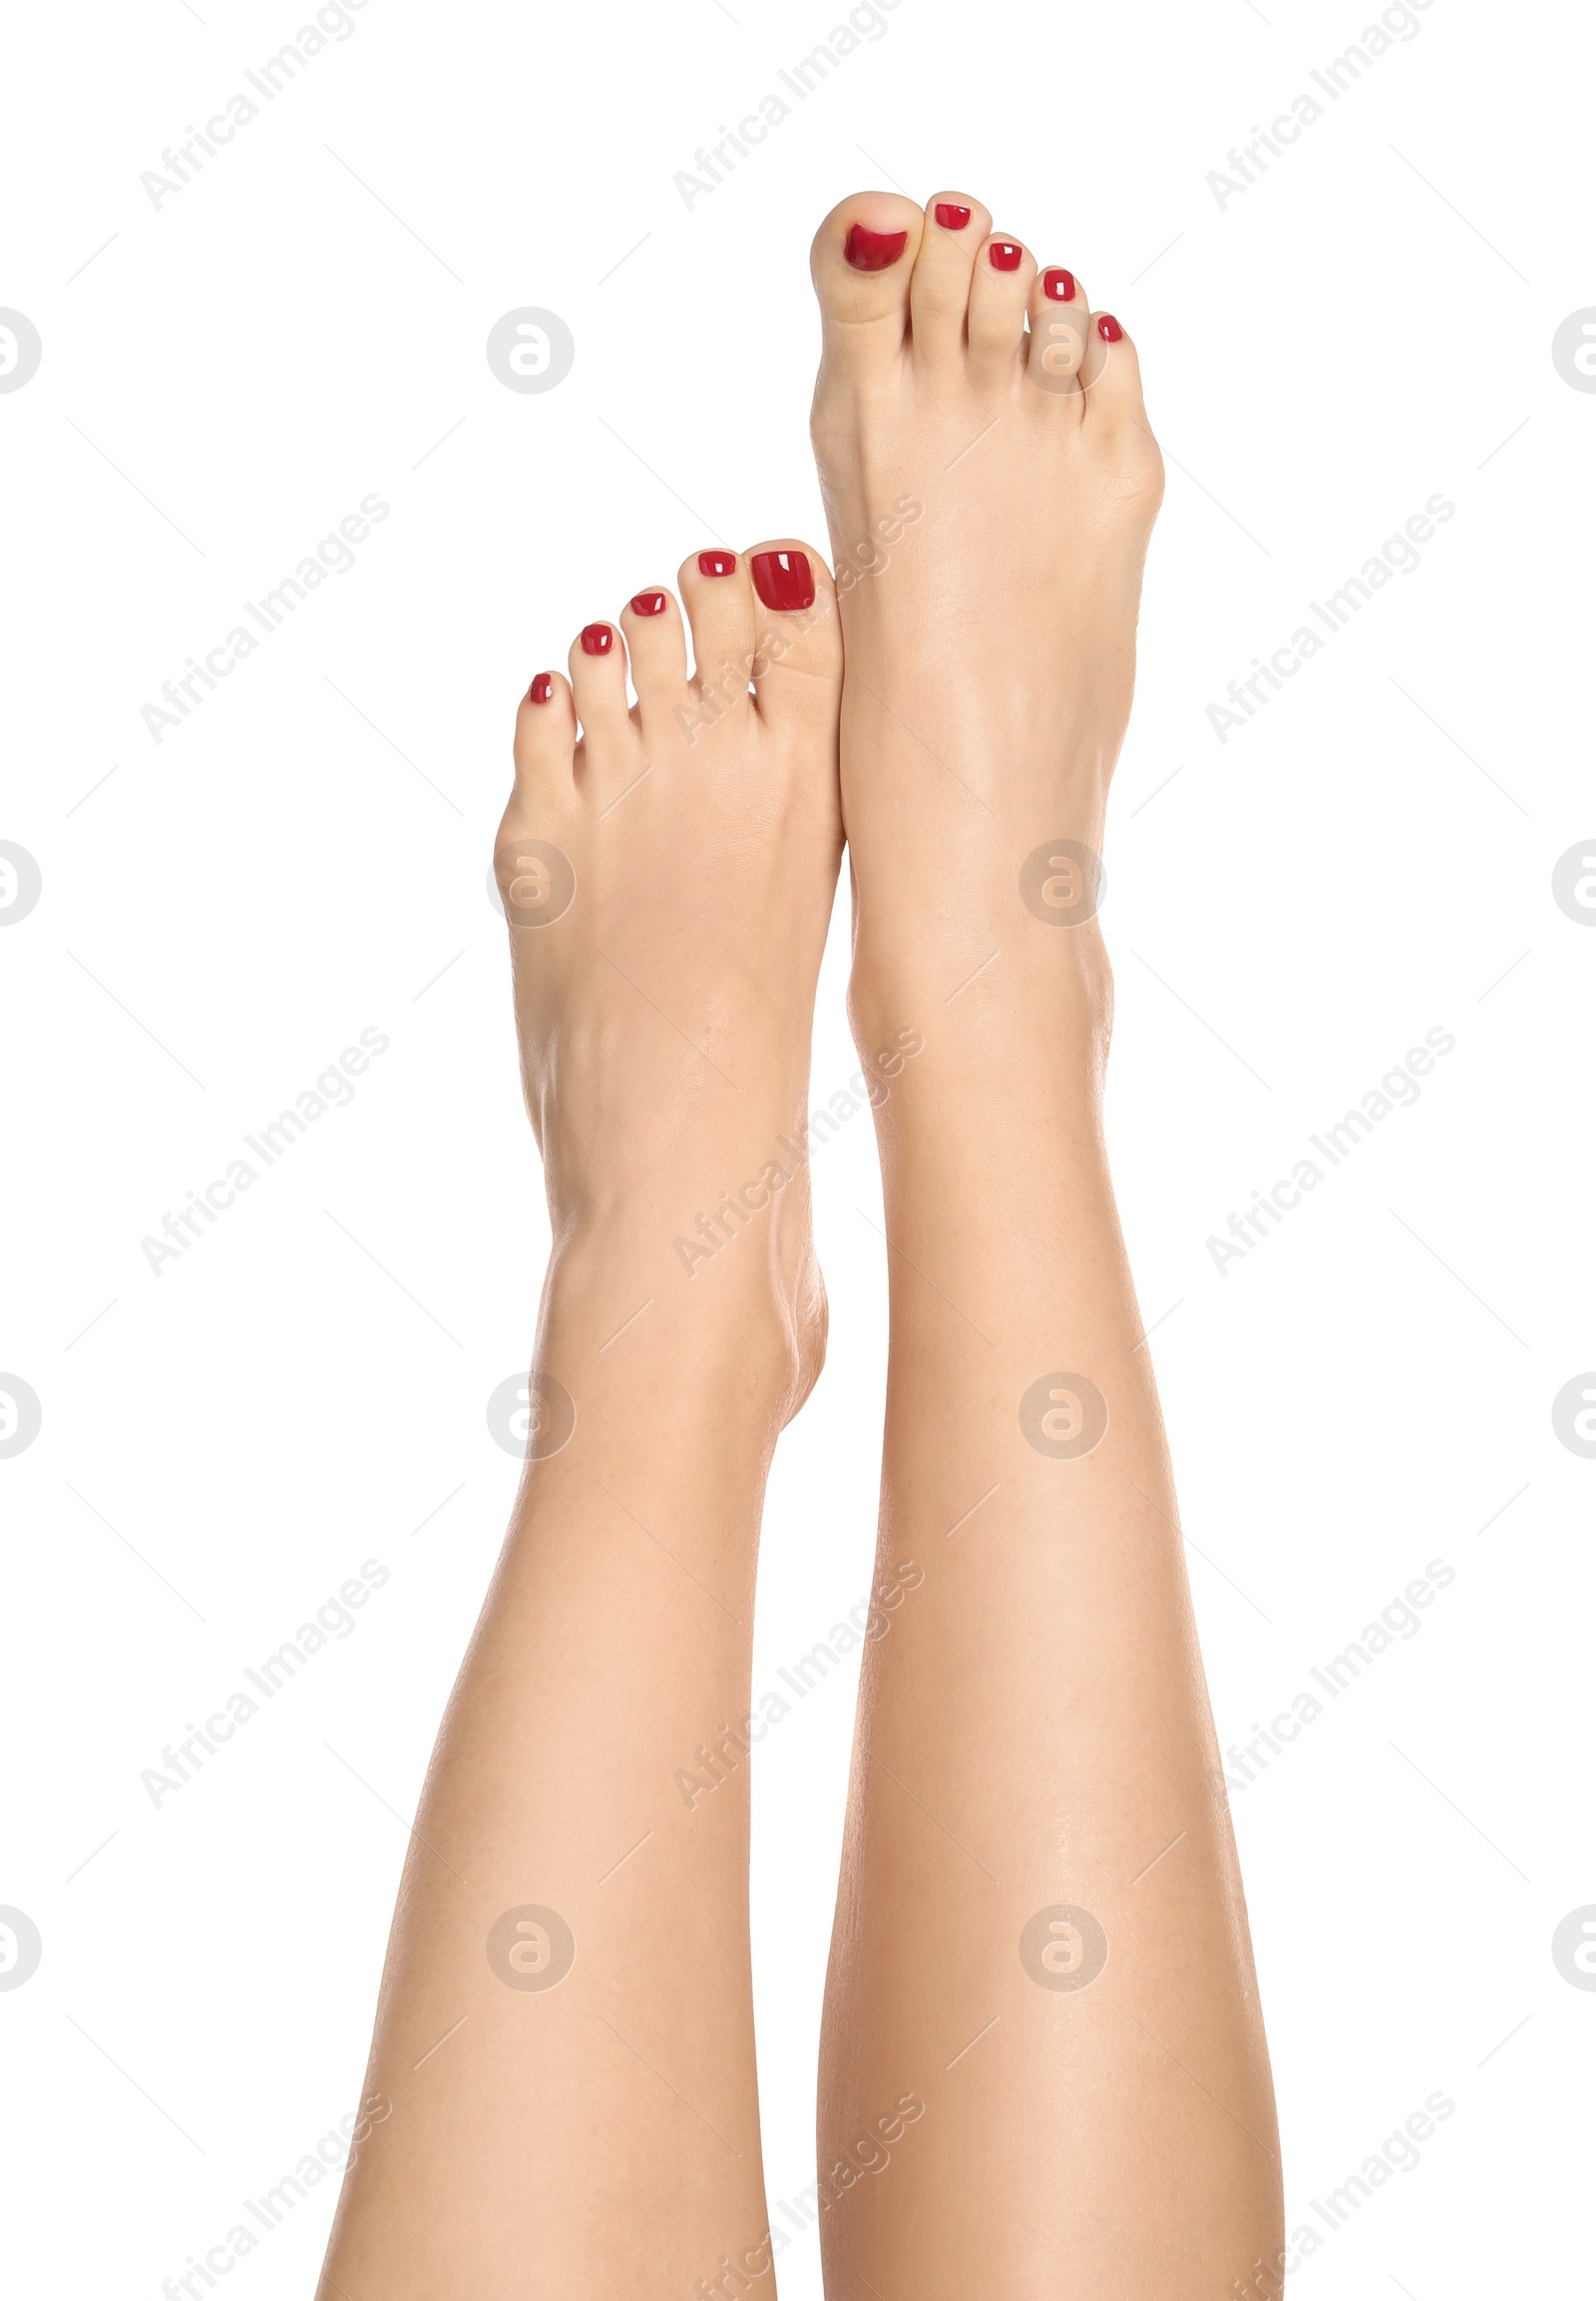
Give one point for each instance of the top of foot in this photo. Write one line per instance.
(667, 874)
(991, 480)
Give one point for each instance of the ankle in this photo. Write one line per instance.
(734, 1314)
(1035, 1006)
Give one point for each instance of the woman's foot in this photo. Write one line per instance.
(990, 481)
(669, 875)
(562, 2084)
(1040, 1926)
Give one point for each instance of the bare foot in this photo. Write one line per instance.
(990, 481)
(562, 2083)
(1076, 2013)
(669, 875)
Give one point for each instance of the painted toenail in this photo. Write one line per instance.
(1061, 285)
(950, 216)
(783, 579)
(718, 562)
(1109, 328)
(596, 639)
(1006, 254)
(648, 602)
(873, 250)
(542, 688)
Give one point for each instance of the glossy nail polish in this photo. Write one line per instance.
(1006, 254)
(542, 688)
(870, 251)
(1109, 328)
(951, 217)
(597, 639)
(716, 562)
(648, 602)
(1061, 285)
(783, 579)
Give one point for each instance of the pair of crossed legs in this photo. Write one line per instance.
(1038, 1854)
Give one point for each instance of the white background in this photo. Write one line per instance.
(224, 378)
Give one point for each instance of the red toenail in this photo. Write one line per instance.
(1006, 254)
(648, 602)
(783, 579)
(596, 639)
(542, 688)
(1109, 328)
(1061, 285)
(873, 250)
(716, 562)
(950, 218)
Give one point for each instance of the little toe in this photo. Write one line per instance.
(546, 737)
(1000, 290)
(954, 233)
(545, 755)
(1116, 415)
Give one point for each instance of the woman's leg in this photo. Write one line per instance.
(1043, 2067)
(560, 2100)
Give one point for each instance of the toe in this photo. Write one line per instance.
(598, 682)
(1116, 415)
(1000, 290)
(953, 233)
(546, 737)
(860, 262)
(544, 753)
(718, 596)
(657, 641)
(797, 667)
(1061, 337)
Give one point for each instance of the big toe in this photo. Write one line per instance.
(861, 262)
(797, 667)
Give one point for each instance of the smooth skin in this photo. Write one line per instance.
(1043, 2067)
(1033, 1738)
(601, 2136)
